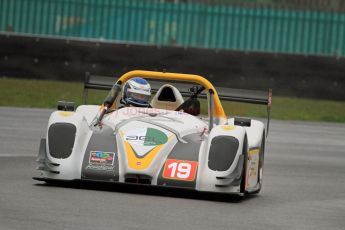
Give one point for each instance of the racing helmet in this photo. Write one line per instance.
(137, 92)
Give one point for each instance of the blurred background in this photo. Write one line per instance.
(295, 47)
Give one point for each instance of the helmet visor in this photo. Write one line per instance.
(140, 98)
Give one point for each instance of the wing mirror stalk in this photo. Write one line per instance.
(109, 101)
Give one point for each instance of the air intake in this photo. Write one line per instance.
(61, 139)
(222, 152)
(137, 179)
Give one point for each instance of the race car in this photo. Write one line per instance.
(170, 144)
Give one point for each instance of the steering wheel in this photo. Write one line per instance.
(195, 91)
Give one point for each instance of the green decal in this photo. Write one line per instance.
(154, 137)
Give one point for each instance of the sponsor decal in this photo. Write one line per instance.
(101, 158)
(180, 169)
(144, 140)
(100, 167)
(133, 111)
(252, 167)
(146, 137)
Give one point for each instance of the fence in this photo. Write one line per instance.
(204, 24)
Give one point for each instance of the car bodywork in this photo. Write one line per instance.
(158, 147)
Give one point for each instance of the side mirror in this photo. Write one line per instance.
(65, 106)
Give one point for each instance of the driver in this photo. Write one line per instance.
(137, 93)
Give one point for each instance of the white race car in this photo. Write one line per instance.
(169, 145)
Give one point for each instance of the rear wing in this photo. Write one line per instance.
(227, 94)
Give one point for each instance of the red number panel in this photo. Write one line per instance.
(180, 169)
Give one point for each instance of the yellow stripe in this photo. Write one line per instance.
(140, 163)
(66, 113)
(228, 127)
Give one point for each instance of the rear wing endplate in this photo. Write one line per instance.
(227, 94)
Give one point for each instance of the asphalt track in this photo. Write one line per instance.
(304, 187)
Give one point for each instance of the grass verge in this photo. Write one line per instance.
(45, 94)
